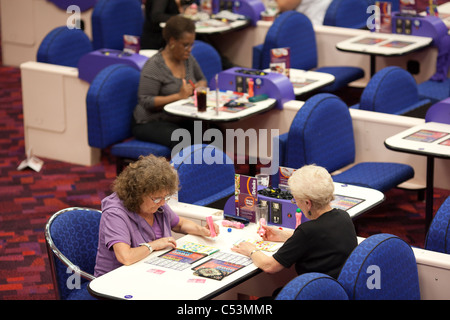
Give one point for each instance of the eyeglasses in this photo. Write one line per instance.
(187, 46)
(158, 200)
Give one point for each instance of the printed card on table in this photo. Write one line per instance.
(383, 20)
(280, 60)
(408, 7)
(131, 44)
(245, 196)
(198, 248)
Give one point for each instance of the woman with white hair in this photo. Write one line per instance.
(319, 245)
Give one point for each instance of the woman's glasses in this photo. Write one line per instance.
(158, 200)
(187, 46)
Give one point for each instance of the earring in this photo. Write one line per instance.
(309, 213)
(172, 46)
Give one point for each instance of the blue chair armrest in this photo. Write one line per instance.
(355, 106)
(414, 106)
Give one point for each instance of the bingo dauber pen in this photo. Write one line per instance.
(233, 224)
(210, 222)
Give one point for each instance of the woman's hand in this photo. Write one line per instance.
(275, 234)
(186, 90)
(244, 248)
(207, 233)
(163, 243)
(187, 226)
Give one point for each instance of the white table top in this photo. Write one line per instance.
(307, 81)
(215, 26)
(147, 281)
(370, 197)
(429, 138)
(385, 44)
(185, 108)
(212, 26)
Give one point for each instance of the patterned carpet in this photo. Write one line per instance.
(28, 199)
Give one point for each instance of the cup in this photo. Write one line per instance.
(261, 211)
(262, 180)
(200, 95)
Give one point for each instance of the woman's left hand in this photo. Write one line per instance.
(244, 248)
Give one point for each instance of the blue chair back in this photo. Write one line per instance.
(208, 58)
(72, 238)
(110, 101)
(337, 14)
(313, 286)
(438, 236)
(206, 174)
(382, 267)
(391, 90)
(321, 133)
(111, 19)
(439, 112)
(64, 46)
(294, 30)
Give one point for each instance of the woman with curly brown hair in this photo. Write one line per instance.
(136, 219)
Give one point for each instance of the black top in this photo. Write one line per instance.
(156, 11)
(321, 245)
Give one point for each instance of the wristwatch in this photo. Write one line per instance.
(251, 253)
(147, 245)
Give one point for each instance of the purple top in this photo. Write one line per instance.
(117, 224)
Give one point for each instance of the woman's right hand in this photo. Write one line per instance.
(186, 90)
(163, 243)
(275, 234)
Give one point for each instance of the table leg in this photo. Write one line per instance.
(430, 191)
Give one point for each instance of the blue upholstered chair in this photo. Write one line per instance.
(337, 14)
(206, 174)
(110, 101)
(313, 286)
(294, 30)
(208, 58)
(64, 46)
(434, 90)
(437, 87)
(439, 112)
(71, 236)
(111, 19)
(391, 90)
(382, 267)
(438, 236)
(321, 133)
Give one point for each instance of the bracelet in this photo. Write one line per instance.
(253, 252)
(147, 245)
